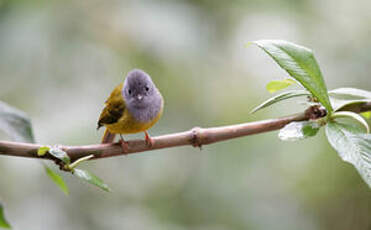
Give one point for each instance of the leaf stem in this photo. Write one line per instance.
(79, 161)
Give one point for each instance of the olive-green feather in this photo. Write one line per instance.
(114, 108)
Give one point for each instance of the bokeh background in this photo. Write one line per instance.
(59, 60)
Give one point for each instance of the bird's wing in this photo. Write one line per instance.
(114, 109)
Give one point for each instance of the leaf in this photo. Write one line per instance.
(15, 123)
(339, 104)
(300, 63)
(43, 150)
(354, 116)
(57, 179)
(276, 85)
(343, 97)
(295, 131)
(91, 178)
(366, 115)
(281, 97)
(350, 93)
(3, 222)
(60, 154)
(352, 146)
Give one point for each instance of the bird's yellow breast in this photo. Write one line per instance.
(127, 124)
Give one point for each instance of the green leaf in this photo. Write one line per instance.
(350, 93)
(352, 146)
(366, 115)
(57, 179)
(277, 85)
(342, 97)
(295, 131)
(339, 104)
(15, 123)
(354, 116)
(60, 154)
(43, 150)
(91, 178)
(281, 97)
(3, 222)
(300, 63)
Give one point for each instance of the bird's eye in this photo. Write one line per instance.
(129, 91)
(147, 88)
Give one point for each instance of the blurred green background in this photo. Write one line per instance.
(59, 60)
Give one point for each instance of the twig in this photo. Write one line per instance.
(195, 137)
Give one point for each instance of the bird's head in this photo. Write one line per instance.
(139, 90)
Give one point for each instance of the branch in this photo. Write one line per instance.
(195, 137)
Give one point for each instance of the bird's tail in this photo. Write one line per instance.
(108, 137)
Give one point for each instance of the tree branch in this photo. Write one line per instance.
(195, 137)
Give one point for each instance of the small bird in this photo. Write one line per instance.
(134, 106)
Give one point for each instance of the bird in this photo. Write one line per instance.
(133, 106)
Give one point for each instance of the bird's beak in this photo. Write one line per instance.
(139, 97)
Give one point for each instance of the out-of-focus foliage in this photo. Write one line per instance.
(59, 61)
(15, 123)
(366, 115)
(3, 222)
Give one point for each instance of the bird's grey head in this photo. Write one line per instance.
(141, 95)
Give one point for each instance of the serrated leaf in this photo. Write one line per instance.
(3, 222)
(300, 63)
(91, 178)
(276, 85)
(366, 115)
(57, 179)
(15, 123)
(295, 131)
(356, 117)
(281, 97)
(352, 146)
(43, 150)
(60, 154)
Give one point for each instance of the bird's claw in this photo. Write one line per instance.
(124, 145)
(149, 141)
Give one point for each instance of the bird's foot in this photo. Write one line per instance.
(124, 144)
(149, 141)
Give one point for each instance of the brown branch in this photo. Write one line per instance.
(195, 137)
